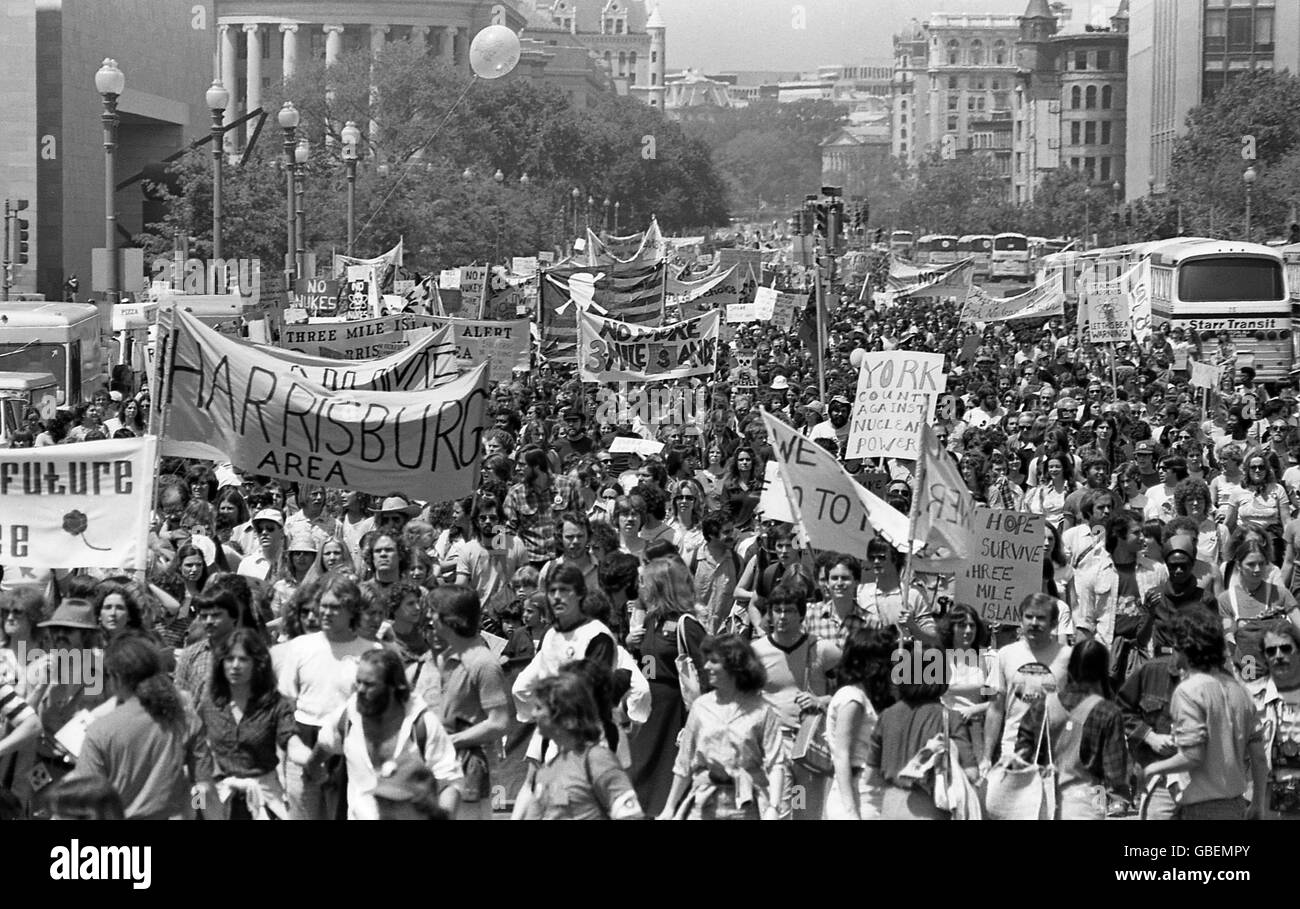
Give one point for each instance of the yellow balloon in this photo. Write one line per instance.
(494, 52)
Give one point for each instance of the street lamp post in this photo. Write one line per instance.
(217, 99)
(351, 137)
(575, 195)
(1116, 188)
(604, 224)
(616, 207)
(1249, 178)
(300, 155)
(498, 178)
(1087, 217)
(590, 202)
(288, 119)
(110, 82)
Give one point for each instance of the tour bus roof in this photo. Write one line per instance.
(25, 381)
(34, 313)
(964, 237)
(1171, 252)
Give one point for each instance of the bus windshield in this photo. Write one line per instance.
(51, 358)
(1011, 244)
(1229, 280)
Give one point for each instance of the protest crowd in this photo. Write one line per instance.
(615, 623)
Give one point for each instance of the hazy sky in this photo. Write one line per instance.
(715, 35)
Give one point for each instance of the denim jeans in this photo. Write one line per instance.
(1215, 810)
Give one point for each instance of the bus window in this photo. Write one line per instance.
(35, 358)
(75, 372)
(1229, 281)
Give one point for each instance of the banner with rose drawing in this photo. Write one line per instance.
(83, 505)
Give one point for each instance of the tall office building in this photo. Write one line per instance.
(1180, 53)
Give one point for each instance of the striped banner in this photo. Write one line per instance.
(633, 293)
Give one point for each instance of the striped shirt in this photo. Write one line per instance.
(13, 709)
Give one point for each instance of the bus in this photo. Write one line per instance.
(980, 248)
(57, 338)
(943, 250)
(1212, 287)
(1011, 258)
(900, 243)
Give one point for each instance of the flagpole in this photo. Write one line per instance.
(909, 571)
(819, 303)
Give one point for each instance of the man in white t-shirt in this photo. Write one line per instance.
(1025, 671)
(318, 671)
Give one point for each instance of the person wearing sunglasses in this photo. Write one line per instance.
(1266, 505)
(1279, 705)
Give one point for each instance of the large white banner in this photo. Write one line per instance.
(268, 420)
(361, 339)
(1041, 302)
(84, 505)
(614, 351)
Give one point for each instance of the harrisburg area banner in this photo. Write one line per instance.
(614, 351)
(83, 505)
(268, 420)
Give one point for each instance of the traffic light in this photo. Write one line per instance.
(823, 219)
(880, 235)
(20, 240)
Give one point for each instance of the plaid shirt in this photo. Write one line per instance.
(194, 670)
(1103, 750)
(825, 624)
(532, 517)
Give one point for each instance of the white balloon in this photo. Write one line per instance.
(494, 52)
(857, 357)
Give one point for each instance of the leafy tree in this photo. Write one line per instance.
(432, 139)
(1207, 165)
(768, 152)
(961, 195)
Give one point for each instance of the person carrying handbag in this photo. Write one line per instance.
(1084, 736)
(797, 665)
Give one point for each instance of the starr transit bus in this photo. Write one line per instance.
(1011, 258)
(1209, 288)
(61, 339)
(943, 250)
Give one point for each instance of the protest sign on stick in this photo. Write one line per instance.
(896, 389)
(614, 351)
(1006, 566)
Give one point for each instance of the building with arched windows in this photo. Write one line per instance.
(952, 87)
(1070, 102)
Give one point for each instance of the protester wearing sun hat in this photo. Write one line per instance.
(393, 511)
(74, 641)
(266, 562)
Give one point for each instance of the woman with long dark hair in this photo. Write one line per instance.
(908, 726)
(1081, 731)
(246, 720)
(667, 595)
(863, 675)
(731, 760)
(151, 748)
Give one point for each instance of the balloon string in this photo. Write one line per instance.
(421, 147)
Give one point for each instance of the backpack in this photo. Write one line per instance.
(418, 728)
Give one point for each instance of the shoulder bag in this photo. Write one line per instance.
(1023, 792)
(688, 674)
(811, 752)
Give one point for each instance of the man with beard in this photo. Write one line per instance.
(378, 726)
(575, 441)
(837, 427)
(318, 671)
(1279, 707)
